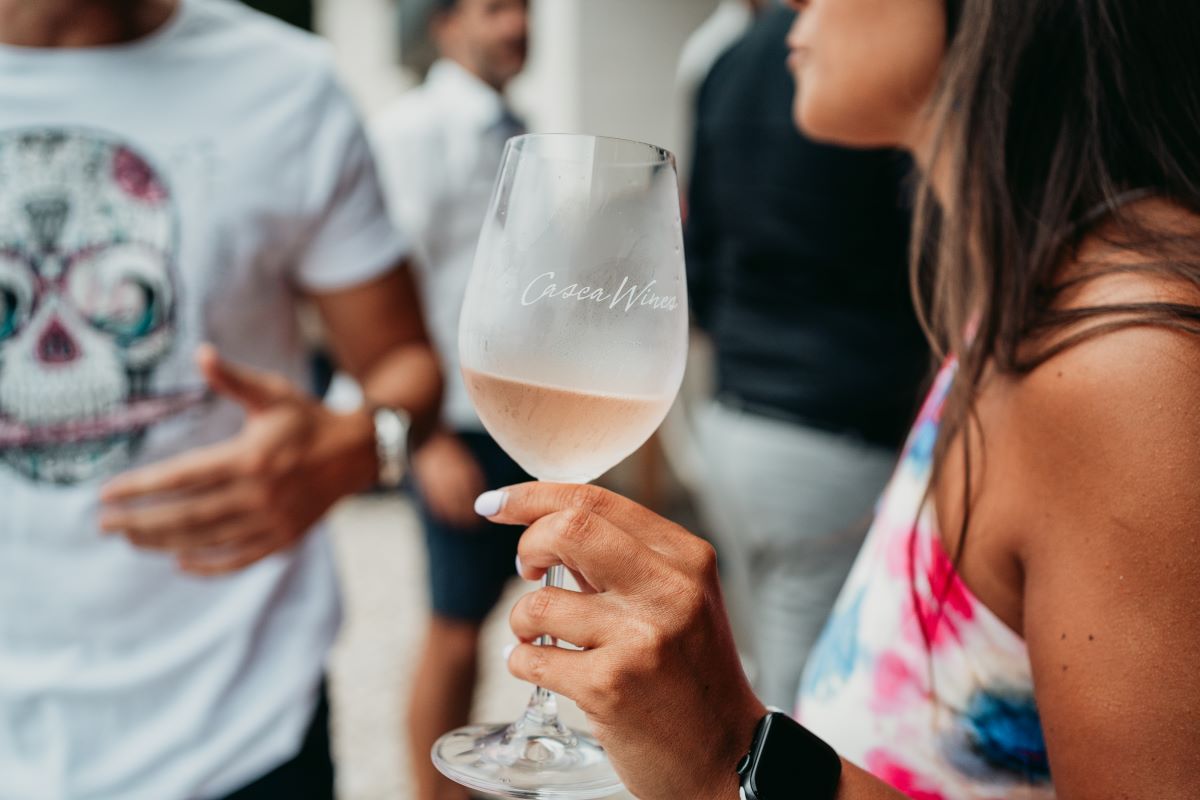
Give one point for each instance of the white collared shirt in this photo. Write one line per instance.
(439, 148)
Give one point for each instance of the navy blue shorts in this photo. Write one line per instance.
(468, 569)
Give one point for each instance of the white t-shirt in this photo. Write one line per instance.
(155, 195)
(439, 148)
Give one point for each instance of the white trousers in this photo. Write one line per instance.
(789, 507)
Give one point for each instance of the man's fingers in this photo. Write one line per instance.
(603, 555)
(252, 389)
(238, 532)
(188, 514)
(195, 470)
(192, 541)
(525, 503)
(224, 560)
(272, 441)
(561, 671)
(580, 619)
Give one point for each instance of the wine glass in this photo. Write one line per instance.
(572, 343)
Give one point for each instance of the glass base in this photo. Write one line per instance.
(527, 760)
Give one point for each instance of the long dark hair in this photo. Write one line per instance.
(1051, 115)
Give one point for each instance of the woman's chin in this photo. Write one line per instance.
(820, 127)
(845, 130)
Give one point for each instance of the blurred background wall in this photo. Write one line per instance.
(596, 66)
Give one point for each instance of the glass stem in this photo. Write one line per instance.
(543, 707)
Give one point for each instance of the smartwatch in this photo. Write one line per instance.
(784, 758)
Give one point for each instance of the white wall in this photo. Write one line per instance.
(632, 53)
(608, 66)
(364, 37)
(596, 66)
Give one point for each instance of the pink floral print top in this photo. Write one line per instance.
(914, 679)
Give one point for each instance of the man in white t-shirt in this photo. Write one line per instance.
(173, 173)
(439, 150)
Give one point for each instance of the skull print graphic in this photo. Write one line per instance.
(87, 302)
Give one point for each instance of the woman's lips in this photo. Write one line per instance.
(796, 58)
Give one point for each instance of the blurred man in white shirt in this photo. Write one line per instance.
(439, 148)
(174, 176)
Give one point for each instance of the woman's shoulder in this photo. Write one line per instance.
(1125, 310)
(1093, 453)
(1090, 468)
(1147, 252)
(1112, 416)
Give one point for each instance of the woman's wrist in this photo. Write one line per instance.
(723, 782)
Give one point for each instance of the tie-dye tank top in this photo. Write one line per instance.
(914, 679)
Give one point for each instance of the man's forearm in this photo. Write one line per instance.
(407, 377)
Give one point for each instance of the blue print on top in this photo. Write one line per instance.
(1000, 737)
(832, 660)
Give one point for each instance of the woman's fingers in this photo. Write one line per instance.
(581, 619)
(526, 503)
(563, 672)
(605, 556)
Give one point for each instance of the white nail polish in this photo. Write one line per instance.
(520, 569)
(489, 504)
(508, 651)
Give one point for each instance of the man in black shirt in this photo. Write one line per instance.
(797, 270)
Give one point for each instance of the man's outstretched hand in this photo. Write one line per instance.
(223, 507)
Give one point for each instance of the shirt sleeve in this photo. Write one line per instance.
(350, 239)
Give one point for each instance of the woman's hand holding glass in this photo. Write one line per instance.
(659, 678)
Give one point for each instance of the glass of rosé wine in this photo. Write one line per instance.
(572, 343)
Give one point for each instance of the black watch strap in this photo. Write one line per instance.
(787, 761)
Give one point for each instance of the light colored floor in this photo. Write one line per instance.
(382, 561)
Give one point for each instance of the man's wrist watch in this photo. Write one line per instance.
(391, 444)
(787, 761)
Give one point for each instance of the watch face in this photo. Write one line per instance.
(788, 757)
(779, 751)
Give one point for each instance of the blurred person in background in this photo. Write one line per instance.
(175, 173)
(439, 148)
(723, 28)
(796, 257)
